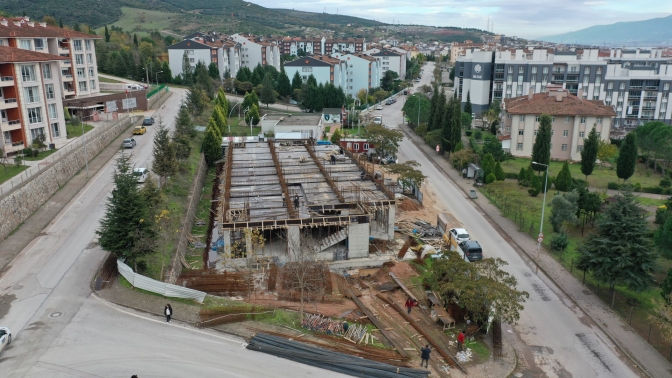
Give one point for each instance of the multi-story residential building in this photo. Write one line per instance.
(224, 52)
(363, 72)
(255, 50)
(390, 60)
(573, 117)
(31, 101)
(78, 73)
(636, 82)
(343, 45)
(325, 69)
(310, 46)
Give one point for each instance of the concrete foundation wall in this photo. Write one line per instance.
(293, 240)
(390, 226)
(358, 240)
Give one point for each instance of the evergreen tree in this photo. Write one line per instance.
(166, 75)
(297, 82)
(663, 236)
(336, 136)
(220, 120)
(627, 159)
(213, 70)
(564, 179)
(252, 116)
(165, 161)
(222, 102)
(666, 287)
(250, 99)
(456, 124)
(433, 108)
(541, 150)
(535, 186)
(467, 106)
(126, 217)
(622, 251)
(242, 75)
(255, 79)
(545, 182)
(183, 123)
(107, 34)
(196, 99)
(182, 146)
(440, 112)
(135, 40)
(311, 81)
(212, 143)
(284, 86)
(488, 165)
(494, 146)
(267, 92)
(522, 177)
(76, 27)
(589, 153)
(499, 172)
(186, 70)
(563, 209)
(203, 80)
(446, 127)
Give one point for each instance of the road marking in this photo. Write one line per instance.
(116, 307)
(67, 370)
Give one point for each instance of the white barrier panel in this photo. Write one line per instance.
(167, 290)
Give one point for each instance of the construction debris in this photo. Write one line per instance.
(320, 323)
(465, 356)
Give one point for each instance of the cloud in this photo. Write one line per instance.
(524, 18)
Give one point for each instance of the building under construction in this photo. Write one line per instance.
(262, 182)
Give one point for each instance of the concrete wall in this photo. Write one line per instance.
(358, 240)
(20, 204)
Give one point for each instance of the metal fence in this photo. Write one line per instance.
(155, 90)
(165, 289)
(46, 163)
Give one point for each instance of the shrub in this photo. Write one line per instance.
(468, 133)
(535, 186)
(613, 185)
(522, 177)
(489, 179)
(637, 187)
(28, 151)
(665, 182)
(511, 175)
(478, 135)
(652, 189)
(661, 215)
(559, 242)
(563, 180)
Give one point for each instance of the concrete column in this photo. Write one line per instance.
(293, 240)
(226, 236)
(358, 240)
(248, 242)
(390, 223)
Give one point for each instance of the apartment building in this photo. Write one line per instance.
(390, 60)
(255, 50)
(222, 51)
(573, 117)
(78, 73)
(635, 81)
(30, 98)
(325, 69)
(343, 45)
(363, 72)
(310, 46)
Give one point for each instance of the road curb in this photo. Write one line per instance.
(513, 242)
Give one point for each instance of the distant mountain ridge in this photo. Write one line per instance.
(654, 31)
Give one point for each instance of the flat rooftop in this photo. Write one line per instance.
(295, 120)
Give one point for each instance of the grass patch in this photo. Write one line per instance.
(73, 131)
(650, 201)
(124, 282)
(42, 155)
(143, 21)
(285, 318)
(479, 348)
(11, 170)
(108, 80)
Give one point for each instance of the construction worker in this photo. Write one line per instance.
(460, 341)
(410, 303)
(425, 355)
(296, 201)
(333, 159)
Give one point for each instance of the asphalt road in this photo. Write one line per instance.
(557, 338)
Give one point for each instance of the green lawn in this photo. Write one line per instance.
(42, 155)
(599, 179)
(108, 80)
(143, 21)
(239, 128)
(9, 171)
(73, 131)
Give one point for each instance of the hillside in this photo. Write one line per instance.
(337, 19)
(652, 32)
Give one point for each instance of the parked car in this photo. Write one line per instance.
(405, 91)
(148, 121)
(389, 102)
(459, 235)
(139, 130)
(472, 250)
(141, 174)
(128, 143)
(379, 107)
(5, 338)
(135, 87)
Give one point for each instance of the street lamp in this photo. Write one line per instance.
(540, 238)
(234, 106)
(156, 75)
(244, 113)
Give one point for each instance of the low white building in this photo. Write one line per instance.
(309, 125)
(363, 72)
(325, 69)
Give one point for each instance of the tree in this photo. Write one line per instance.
(252, 116)
(627, 159)
(164, 153)
(466, 120)
(461, 158)
(183, 123)
(186, 69)
(535, 185)
(203, 80)
(606, 151)
(563, 209)
(107, 34)
(250, 99)
(589, 153)
(267, 93)
(387, 82)
(483, 288)
(126, 217)
(297, 82)
(666, 287)
(407, 175)
(418, 100)
(220, 119)
(363, 96)
(494, 147)
(541, 150)
(284, 86)
(564, 179)
(663, 236)
(456, 124)
(166, 76)
(499, 172)
(522, 178)
(222, 102)
(311, 81)
(467, 106)
(489, 179)
(336, 137)
(213, 71)
(439, 111)
(60, 24)
(488, 165)
(386, 141)
(621, 252)
(493, 127)
(182, 146)
(135, 40)
(212, 143)
(196, 100)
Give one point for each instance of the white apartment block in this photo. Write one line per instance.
(363, 72)
(636, 82)
(310, 46)
(572, 119)
(390, 60)
(78, 73)
(224, 52)
(255, 50)
(343, 45)
(325, 69)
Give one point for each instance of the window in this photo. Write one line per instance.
(565, 133)
(510, 69)
(610, 85)
(366, 146)
(583, 119)
(536, 132)
(191, 60)
(666, 86)
(89, 58)
(53, 113)
(536, 118)
(552, 132)
(46, 71)
(621, 86)
(93, 84)
(55, 131)
(564, 147)
(521, 69)
(91, 72)
(598, 71)
(355, 146)
(306, 69)
(34, 115)
(508, 129)
(566, 119)
(49, 90)
(8, 137)
(39, 44)
(24, 44)
(522, 118)
(582, 134)
(509, 116)
(79, 59)
(34, 133)
(519, 146)
(77, 43)
(88, 44)
(82, 86)
(599, 120)
(32, 95)
(534, 70)
(552, 118)
(586, 71)
(579, 148)
(191, 52)
(28, 73)
(521, 131)
(599, 135)
(545, 70)
(81, 73)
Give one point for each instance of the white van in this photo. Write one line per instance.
(134, 87)
(378, 119)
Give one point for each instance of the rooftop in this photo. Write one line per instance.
(294, 120)
(557, 102)
(23, 27)
(14, 55)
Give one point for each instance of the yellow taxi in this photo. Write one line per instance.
(139, 130)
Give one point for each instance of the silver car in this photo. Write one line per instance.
(141, 174)
(5, 338)
(128, 143)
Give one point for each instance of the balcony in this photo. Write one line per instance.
(65, 77)
(63, 50)
(6, 125)
(69, 91)
(8, 103)
(6, 81)
(14, 146)
(66, 63)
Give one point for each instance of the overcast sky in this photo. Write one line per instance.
(523, 18)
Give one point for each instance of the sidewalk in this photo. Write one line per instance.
(610, 323)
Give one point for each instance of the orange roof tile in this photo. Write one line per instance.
(547, 103)
(18, 27)
(15, 55)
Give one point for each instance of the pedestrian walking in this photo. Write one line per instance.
(333, 159)
(410, 303)
(168, 311)
(425, 355)
(296, 201)
(460, 341)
